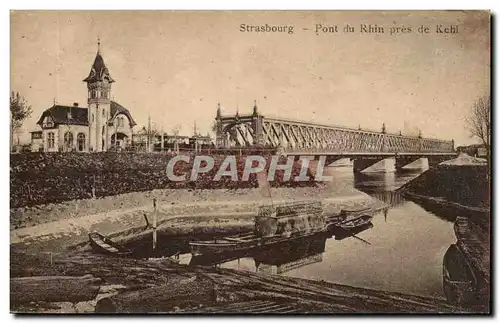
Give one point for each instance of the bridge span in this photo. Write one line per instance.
(294, 137)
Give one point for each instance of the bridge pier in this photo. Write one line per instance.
(374, 165)
(436, 160)
(334, 162)
(411, 162)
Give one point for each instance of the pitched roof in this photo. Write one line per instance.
(63, 114)
(116, 108)
(99, 71)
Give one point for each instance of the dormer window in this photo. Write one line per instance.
(47, 122)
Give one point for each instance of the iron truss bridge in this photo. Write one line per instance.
(299, 137)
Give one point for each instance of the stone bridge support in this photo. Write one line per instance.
(411, 162)
(374, 165)
(436, 160)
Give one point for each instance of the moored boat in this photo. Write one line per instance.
(347, 214)
(459, 281)
(356, 222)
(273, 224)
(102, 244)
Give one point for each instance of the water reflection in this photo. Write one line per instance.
(383, 182)
(343, 234)
(400, 250)
(389, 197)
(283, 257)
(292, 255)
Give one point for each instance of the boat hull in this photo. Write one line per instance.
(203, 248)
(459, 282)
(101, 244)
(355, 222)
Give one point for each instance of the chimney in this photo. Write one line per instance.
(75, 104)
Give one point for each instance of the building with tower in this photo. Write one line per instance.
(100, 126)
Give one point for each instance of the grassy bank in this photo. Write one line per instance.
(465, 185)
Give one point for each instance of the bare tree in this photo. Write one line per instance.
(20, 110)
(479, 123)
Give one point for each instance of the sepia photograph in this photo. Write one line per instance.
(250, 162)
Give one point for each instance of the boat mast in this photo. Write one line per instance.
(270, 196)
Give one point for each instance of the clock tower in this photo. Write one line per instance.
(99, 102)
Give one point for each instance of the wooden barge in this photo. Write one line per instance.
(273, 224)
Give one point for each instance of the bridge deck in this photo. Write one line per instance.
(359, 154)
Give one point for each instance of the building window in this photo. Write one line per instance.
(81, 141)
(93, 94)
(92, 117)
(103, 112)
(104, 94)
(50, 140)
(68, 139)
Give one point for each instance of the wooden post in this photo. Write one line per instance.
(93, 187)
(154, 224)
(162, 140)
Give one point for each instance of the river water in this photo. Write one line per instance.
(402, 251)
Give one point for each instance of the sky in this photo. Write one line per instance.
(176, 66)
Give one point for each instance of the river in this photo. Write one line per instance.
(402, 251)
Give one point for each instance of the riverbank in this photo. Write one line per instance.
(461, 187)
(55, 242)
(156, 285)
(179, 212)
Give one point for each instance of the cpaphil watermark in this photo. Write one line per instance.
(252, 165)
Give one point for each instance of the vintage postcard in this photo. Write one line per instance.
(251, 162)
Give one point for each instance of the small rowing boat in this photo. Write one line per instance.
(347, 215)
(356, 222)
(102, 244)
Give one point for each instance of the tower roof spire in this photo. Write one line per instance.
(218, 110)
(98, 72)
